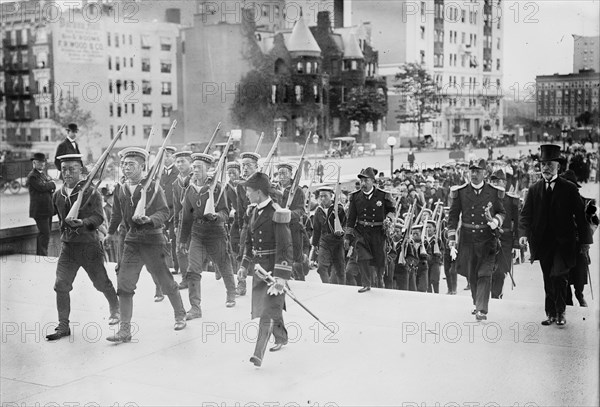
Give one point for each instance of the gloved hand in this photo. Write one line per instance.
(182, 248)
(453, 250)
(74, 223)
(493, 224)
(140, 220)
(523, 241)
(346, 243)
(242, 272)
(277, 287)
(516, 253)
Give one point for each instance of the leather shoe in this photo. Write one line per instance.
(582, 303)
(364, 289)
(159, 297)
(120, 337)
(277, 347)
(230, 303)
(480, 316)
(180, 324)
(193, 314)
(548, 321)
(561, 320)
(58, 334)
(256, 360)
(474, 312)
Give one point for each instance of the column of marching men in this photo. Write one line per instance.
(405, 232)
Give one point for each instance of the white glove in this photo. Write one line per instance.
(493, 224)
(453, 251)
(277, 287)
(242, 272)
(523, 240)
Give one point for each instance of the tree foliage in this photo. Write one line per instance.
(68, 111)
(364, 105)
(587, 118)
(419, 95)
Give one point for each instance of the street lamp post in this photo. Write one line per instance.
(391, 141)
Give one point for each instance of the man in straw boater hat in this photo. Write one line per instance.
(509, 238)
(81, 246)
(269, 244)
(369, 208)
(480, 205)
(183, 163)
(285, 183)
(553, 221)
(328, 243)
(203, 233)
(249, 166)
(145, 243)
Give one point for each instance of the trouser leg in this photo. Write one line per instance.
(365, 272)
(265, 328)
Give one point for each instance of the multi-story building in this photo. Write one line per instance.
(585, 53)
(123, 73)
(561, 98)
(459, 43)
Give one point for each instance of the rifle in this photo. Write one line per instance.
(438, 223)
(408, 225)
(209, 208)
(337, 226)
(149, 144)
(298, 174)
(212, 139)
(140, 209)
(271, 152)
(260, 139)
(268, 278)
(74, 211)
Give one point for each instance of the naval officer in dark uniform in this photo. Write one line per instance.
(480, 205)
(369, 208)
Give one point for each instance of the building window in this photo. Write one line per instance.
(112, 132)
(422, 57)
(117, 64)
(130, 39)
(131, 62)
(462, 16)
(132, 108)
(147, 110)
(108, 35)
(145, 64)
(110, 110)
(110, 86)
(309, 67)
(422, 32)
(316, 93)
(146, 130)
(298, 92)
(165, 130)
(166, 88)
(116, 40)
(132, 130)
(145, 41)
(498, 64)
(109, 63)
(165, 66)
(167, 108)
(26, 109)
(118, 110)
(273, 94)
(498, 43)
(316, 66)
(146, 88)
(118, 86)
(125, 108)
(354, 65)
(300, 67)
(165, 43)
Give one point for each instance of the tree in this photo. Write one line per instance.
(418, 95)
(587, 119)
(68, 111)
(364, 105)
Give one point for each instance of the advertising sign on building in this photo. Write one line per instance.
(79, 42)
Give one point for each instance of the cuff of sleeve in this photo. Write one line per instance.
(283, 270)
(245, 261)
(349, 232)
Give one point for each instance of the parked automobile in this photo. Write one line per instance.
(340, 147)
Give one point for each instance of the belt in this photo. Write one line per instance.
(263, 253)
(371, 224)
(474, 226)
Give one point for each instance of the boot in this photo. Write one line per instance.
(229, 281)
(63, 305)
(241, 288)
(113, 303)
(579, 296)
(194, 290)
(124, 333)
(158, 294)
(178, 309)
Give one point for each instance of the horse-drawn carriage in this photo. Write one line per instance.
(14, 168)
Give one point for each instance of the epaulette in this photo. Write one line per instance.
(501, 191)
(281, 215)
(455, 188)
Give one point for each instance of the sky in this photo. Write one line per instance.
(538, 40)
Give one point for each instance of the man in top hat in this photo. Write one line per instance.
(167, 178)
(368, 209)
(552, 222)
(269, 244)
(328, 242)
(249, 166)
(203, 231)
(68, 145)
(509, 237)
(41, 187)
(297, 208)
(145, 242)
(480, 205)
(81, 246)
(183, 163)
